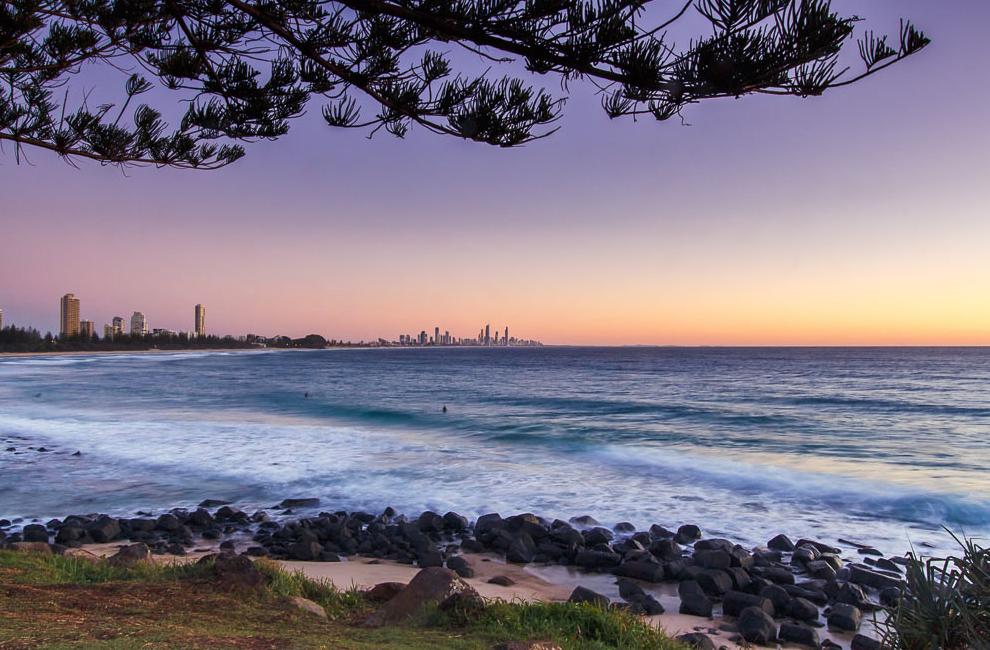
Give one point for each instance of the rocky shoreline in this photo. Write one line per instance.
(784, 592)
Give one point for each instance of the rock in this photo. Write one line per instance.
(629, 590)
(526, 645)
(306, 551)
(844, 617)
(651, 606)
(460, 566)
(862, 576)
(687, 533)
(597, 536)
(308, 606)
(463, 604)
(819, 546)
(697, 640)
(863, 642)
(714, 582)
(802, 609)
(778, 596)
(384, 591)
(659, 532)
(213, 503)
(778, 575)
(596, 559)
(666, 550)
(712, 559)
(646, 571)
(585, 595)
(781, 543)
(201, 517)
(521, 550)
(694, 600)
(430, 586)
(35, 533)
(584, 520)
(168, 522)
(236, 572)
(488, 523)
(257, 551)
(306, 502)
(430, 522)
(228, 545)
(104, 529)
(735, 602)
(756, 626)
(429, 559)
(69, 534)
(130, 555)
(455, 522)
(890, 596)
(502, 581)
(624, 527)
(798, 634)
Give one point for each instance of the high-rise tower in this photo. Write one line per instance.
(68, 315)
(200, 321)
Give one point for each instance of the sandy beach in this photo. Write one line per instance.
(531, 584)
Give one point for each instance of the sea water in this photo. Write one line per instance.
(883, 446)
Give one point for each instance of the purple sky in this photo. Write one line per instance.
(859, 217)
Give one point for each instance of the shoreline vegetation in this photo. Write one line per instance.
(800, 594)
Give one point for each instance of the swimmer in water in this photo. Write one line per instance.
(444, 408)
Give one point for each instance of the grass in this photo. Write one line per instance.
(945, 604)
(50, 601)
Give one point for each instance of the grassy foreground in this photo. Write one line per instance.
(50, 601)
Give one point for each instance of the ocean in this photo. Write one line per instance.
(884, 446)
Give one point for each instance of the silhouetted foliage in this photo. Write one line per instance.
(247, 67)
(14, 339)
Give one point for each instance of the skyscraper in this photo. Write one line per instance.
(118, 325)
(108, 332)
(1, 319)
(436, 336)
(68, 315)
(488, 334)
(505, 339)
(200, 321)
(86, 328)
(139, 324)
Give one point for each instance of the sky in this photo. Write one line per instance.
(857, 218)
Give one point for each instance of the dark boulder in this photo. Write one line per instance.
(307, 551)
(597, 536)
(863, 642)
(869, 578)
(629, 590)
(431, 586)
(104, 529)
(430, 522)
(596, 559)
(651, 606)
(697, 640)
(756, 626)
(130, 555)
(459, 565)
(659, 532)
(735, 602)
(778, 596)
(585, 595)
(713, 559)
(455, 522)
(844, 617)
(781, 543)
(624, 527)
(584, 520)
(429, 558)
(168, 523)
(666, 549)
(647, 571)
(35, 533)
(521, 550)
(694, 600)
(802, 609)
(488, 523)
(687, 534)
(384, 591)
(714, 582)
(213, 503)
(306, 502)
(201, 518)
(798, 634)
(821, 547)
(236, 572)
(501, 581)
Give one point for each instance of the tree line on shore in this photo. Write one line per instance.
(28, 339)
